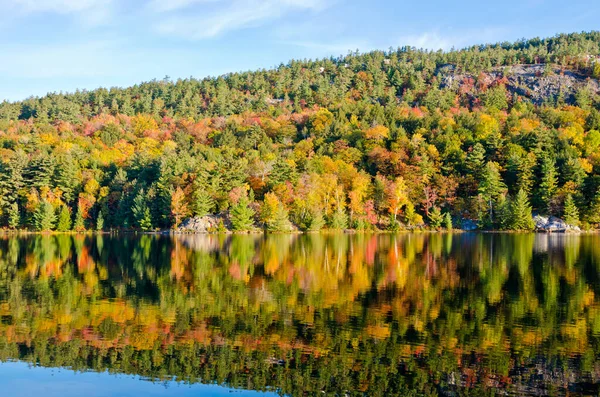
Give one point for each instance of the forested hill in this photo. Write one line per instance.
(388, 140)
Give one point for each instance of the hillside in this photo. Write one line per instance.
(382, 140)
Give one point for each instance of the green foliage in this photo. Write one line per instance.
(571, 213)
(241, 215)
(14, 216)
(436, 218)
(100, 222)
(64, 219)
(141, 212)
(448, 221)
(44, 217)
(79, 224)
(339, 220)
(520, 215)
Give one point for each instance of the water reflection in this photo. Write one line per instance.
(357, 314)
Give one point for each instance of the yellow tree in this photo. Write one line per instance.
(179, 207)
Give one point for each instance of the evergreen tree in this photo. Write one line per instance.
(14, 216)
(448, 221)
(594, 210)
(64, 219)
(521, 217)
(571, 213)
(242, 216)
(279, 220)
(100, 222)
(436, 218)
(317, 221)
(79, 225)
(339, 219)
(203, 202)
(548, 184)
(491, 187)
(44, 217)
(141, 212)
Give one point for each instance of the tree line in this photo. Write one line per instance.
(336, 144)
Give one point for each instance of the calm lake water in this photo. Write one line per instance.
(373, 315)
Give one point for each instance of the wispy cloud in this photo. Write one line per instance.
(436, 40)
(229, 15)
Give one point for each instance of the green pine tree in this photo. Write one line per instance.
(100, 222)
(44, 217)
(14, 216)
(436, 218)
(279, 220)
(203, 202)
(79, 225)
(339, 219)
(242, 216)
(548, 184)
(571, 213)
(521, 217)
(594, 210)
(448, 221)
(491, 187)
(317, 221)
(64, 219)
(141, 212)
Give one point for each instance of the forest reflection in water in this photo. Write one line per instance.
(304, 314)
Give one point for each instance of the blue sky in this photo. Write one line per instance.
(62, 45)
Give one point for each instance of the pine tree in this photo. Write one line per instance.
(491, 187)
(279, 220)
(436, 218)
(448, 221)
(571, 213)
(317, 221)
(64, 219)
(44, 217)
(521, 217)
(14, 217)
(242, 216)
(594, 210)
(100, 222)
(339, 219)
(203, 202)
(79, 225)
(141, 212)
(548, 184)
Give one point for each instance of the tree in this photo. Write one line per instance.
(571, 213)
(44, 217)
(64, 219)
(141, 212)
(339, 219)
(448, 221)
(548, 184)
(14, 217)
(242, 216)
(521, 217)
(203, 202)
(100, 222)
(179, 207)
(79, 225)
(436, 218)
(491, 186)
(275, 215)
(594, 210)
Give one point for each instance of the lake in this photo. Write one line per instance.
(322, 314)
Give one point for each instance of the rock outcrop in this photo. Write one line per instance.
(553, 224)
(204, 224)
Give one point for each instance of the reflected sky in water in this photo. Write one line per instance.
(334, 314)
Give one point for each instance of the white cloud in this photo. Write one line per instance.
(230, 15)
(434, 40)
(173, 5)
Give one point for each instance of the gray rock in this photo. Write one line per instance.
(204, 224)
(468, 224)
(553, 225)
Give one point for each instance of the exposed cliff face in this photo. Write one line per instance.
(536, 82)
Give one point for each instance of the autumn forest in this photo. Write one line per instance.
(385, 140)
